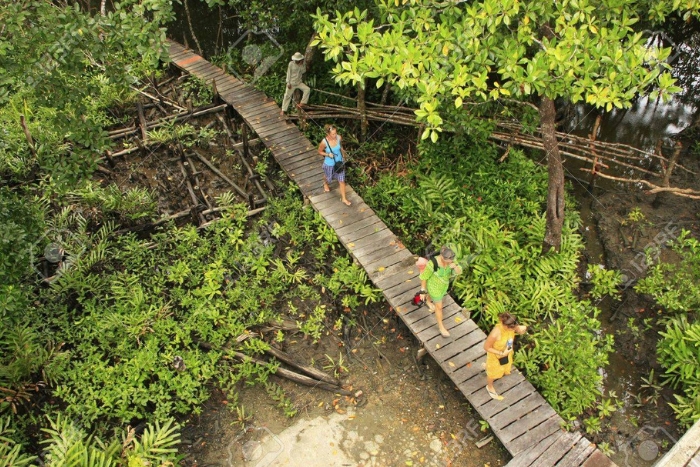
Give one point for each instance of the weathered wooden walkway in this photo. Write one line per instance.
(526, 425)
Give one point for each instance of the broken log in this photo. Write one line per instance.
(296, 377)
(311, 371)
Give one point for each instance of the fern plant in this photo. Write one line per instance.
(11, 454)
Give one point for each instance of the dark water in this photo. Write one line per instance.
(641, 126)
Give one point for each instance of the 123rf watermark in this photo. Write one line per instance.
(651, 252)
(261, 449)
(648, 445)
(259, 51)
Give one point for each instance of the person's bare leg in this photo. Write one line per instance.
(326, 187)
(491, 390)
(343, 198)
(438, 317)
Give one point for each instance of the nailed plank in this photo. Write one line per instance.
(528, 458)
(564, 443)
(543, 430)
(502, 385)
(525, 424)
(513, 397)
(521, 409)
(464, 342)
(578, 454)
(360, 229)
(356, 233)
(468, 365)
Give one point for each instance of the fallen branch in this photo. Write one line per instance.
(211, 166)
(311, 371)
(685, 192)
(296, 377)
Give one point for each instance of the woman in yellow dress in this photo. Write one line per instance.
(499, 350)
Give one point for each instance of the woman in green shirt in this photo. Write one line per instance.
(434, 284)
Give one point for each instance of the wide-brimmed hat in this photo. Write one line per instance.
(297, 57)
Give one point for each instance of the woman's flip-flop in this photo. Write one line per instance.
(494, 395)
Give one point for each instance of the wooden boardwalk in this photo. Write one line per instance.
(526, 425)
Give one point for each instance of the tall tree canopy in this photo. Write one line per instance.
(448, 52)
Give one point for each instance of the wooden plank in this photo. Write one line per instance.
(502, 385)
(284, 137)
(360, 229)
(578, 454)
(177, 54)
(464, 342)
(239, 96)
(378, 254)
(419, 326)
(597, 459)
(195, 65)
(286, 153)
(303, 173)
(389, 261)
(399, 274)
(525, 424)
(385, 236)
(209, 75)
(512, 397)
(520, 409)
(558, 449)
(468, 365)
(356, 233)
(302, 163)
(347, 216)
(528, 458)
(381, 246)
(425, 330)
(229, 89)
(311, 187)
(543, 430)
(471, 386)
(185, 62)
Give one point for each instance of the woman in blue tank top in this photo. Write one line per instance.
(332, 151)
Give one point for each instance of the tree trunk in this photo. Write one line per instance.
(555, 189)
(362, 108)
(309, 52)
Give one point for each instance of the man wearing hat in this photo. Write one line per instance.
(295, 69)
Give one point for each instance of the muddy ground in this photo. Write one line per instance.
(407, 414)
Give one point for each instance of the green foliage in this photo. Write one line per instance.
(277, 394)
(348, 282)
(447, 53)
(69, 444)
(21, 223)
(10, 451)
(674, 285)
(677, 352)
(459, 195)
(62, 69)
(605, 282)
(198, 91)
(130, 205)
